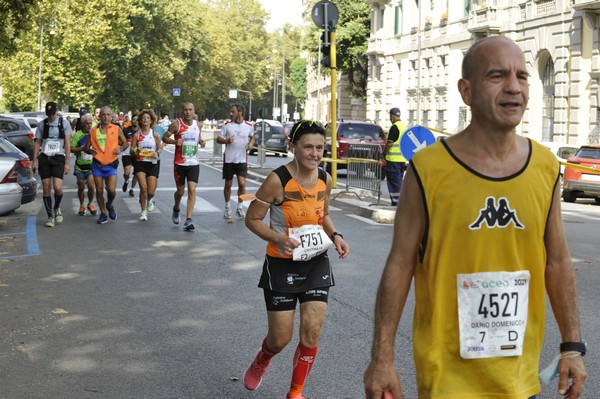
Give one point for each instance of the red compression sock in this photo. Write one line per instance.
(303, 362)
(265, 354)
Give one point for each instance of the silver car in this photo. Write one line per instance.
(10, 190)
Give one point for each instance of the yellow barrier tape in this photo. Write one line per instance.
(581, 167)
(438, 131)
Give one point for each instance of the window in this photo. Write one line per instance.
(440, 120)
(548, 101)
(462, 118)
(398, 20)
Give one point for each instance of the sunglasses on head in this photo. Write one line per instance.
(304, 124)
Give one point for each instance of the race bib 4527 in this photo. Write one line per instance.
(492, 313)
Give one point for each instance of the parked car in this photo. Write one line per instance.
(579, 183)
(10, 191)
(18, 133)
(275, 136)
(287, 128)
(31, 121)
(562, 152)
(352, 132)
(25, 177)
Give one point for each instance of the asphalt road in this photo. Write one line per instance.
(136, 309)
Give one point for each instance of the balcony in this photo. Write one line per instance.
(484, 20)
(586, 5)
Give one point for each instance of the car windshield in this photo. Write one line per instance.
(359, 131)
(566, 152)
(588, 152)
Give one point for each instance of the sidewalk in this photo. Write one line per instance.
(362, 200)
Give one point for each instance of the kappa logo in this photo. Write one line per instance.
(497, 214)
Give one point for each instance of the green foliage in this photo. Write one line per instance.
(352, 40)
(130, 54)
(298, 79)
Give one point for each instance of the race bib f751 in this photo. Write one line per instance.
(313, 241)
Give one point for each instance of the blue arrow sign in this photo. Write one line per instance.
(414, 139)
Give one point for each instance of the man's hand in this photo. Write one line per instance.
(571, 367)
(382, 380)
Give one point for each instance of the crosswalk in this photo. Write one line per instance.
(202, 206)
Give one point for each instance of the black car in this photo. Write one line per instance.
(275, 136)
(18, 133)
(25, 177)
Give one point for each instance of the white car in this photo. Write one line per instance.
(562, 152)
(10, 190)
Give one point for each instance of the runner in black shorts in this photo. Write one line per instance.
(238, 137)
(51, 153)
(296, 267)
(186, 137)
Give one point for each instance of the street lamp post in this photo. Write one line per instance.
(283, 88)
(39, 94)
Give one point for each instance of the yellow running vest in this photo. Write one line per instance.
(478, 224)
(395, 154)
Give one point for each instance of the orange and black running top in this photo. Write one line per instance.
(300, 207)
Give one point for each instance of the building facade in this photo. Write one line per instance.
(416, 50)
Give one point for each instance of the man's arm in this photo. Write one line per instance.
(409, 226)
(562, 292)
(391, 139)
(123, 143)
(173, 128)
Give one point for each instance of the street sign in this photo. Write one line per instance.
(176, 91)
(415, 139)
(232, 93)
(325, 13)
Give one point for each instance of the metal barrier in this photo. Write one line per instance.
(365, 168)
(217, 149)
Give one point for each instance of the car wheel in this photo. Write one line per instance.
(569, 196)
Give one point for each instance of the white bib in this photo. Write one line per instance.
(51, 147)
(492, 313)
(313, 241)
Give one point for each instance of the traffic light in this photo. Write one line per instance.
(325, 49)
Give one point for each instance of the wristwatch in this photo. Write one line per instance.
(335, 233)
(580, 346)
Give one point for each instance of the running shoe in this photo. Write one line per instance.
(295, 397)
(240, 213)
(92, 210)
(125, 186)
(112, 214)
(150, 205)
(58, 216)
(131, 192)
(175, 216)
(50, 222)
(102, 219)
(227, 214)
(144, 216)
(188, 225)
(254, 375)
(81, 211)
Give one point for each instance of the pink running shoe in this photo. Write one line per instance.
(254, 375)
(295, 397)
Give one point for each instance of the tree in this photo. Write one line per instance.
(298, 79)
(352, 40)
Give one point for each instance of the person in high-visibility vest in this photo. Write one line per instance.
(395, 161)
